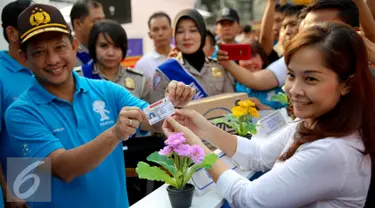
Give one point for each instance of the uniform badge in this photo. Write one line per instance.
(156, 80)
(216, 72)
(129, 83)
(39, 17)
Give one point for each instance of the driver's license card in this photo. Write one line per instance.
(159, 110)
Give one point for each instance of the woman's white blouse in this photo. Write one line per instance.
(330, 172)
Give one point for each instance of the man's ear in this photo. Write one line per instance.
(149, 35)
(75, 45)
(77, 24)
(12, 34)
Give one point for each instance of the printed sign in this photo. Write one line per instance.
(135, 52)
(272, 122)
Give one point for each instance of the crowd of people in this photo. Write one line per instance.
(67, 99)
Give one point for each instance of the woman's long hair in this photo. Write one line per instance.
(344, 52)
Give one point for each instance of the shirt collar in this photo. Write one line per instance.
(82, 48)
(9, 62)
(155, 54)
(41, 96)
(120, 73)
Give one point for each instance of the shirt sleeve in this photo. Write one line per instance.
(160, 84)
(280, 70)
(1, 105)
(29, 135)
(255, 156)
(228, 84)
(313, 173)
(124, 98)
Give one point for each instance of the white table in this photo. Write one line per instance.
(159, 198)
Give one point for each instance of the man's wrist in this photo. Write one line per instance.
(114, 135)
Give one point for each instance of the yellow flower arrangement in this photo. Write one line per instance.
(241, 116)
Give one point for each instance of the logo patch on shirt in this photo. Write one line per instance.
(99, 107)
(58, 130)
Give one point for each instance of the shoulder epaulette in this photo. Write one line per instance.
(212, 60)
(78, 68)
(134, 71)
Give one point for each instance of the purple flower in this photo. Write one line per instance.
(174, 140)
(197, 154)
(183, 150)
(166, 151)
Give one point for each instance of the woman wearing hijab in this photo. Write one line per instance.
(191, 66)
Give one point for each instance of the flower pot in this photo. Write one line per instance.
(248, 136)
(181, 198)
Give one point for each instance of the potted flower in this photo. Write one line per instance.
(240, 118)
(179, 161)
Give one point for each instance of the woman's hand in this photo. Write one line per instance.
(223, 58)
(171, 126)
(194, 121)
(370, 47)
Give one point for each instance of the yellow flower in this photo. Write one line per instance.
(246, 104)
(253, 112)
(239, 111)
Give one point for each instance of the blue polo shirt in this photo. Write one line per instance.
(14, 80)
(40, 123)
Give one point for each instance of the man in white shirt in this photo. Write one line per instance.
(160, 32)
(275, 74)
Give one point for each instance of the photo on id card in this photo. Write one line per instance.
(159, 110)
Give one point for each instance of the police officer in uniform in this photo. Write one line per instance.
(191, 66)
(107, 56)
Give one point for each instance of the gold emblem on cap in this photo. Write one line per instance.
(129, 83)
(216, 72)
(39, 17)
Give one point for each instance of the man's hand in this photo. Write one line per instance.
(15, 202)
(179, 93)
(370, 47)
(174, 52)
(127, 123)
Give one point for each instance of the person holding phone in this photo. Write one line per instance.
(325, 158)
(191, 66)
(257, 62)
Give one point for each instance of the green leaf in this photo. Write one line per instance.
(208, 161)
(164, 161)
(154, 174)
(252, 128)
(281, 98)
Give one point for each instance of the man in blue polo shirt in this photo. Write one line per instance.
(14, 80)
(76, 122)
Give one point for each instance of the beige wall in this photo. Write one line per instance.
(143, 9)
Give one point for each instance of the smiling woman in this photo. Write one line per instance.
(324, 158)
(190, 65)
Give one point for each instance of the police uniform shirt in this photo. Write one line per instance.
(133, 80)
(83, 56)
(213, 78)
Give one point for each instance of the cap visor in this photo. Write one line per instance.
(226, 18)
(43, 30)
